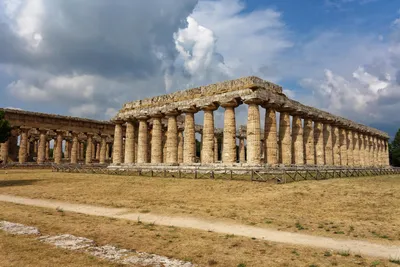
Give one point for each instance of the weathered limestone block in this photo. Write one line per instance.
(343, 147)
(285, 152)
(58, 150)
(4, 151)
(129, 142)
(172, 139)
(270, 135)
(156, 141)
(89, 142)
(297, 141)
(308, 139)
(319, 143)
(229, 138)
(42, 147)
(180, 146)
(189, 146)
(117, 147)
(327, 132)
(242, 150)
(336, 146)
(207, 152)
(22, 145)
(350, 154)
(103, 149)
(142, 141)
(253, 133)
(74, 149)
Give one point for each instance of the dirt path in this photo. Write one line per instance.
(354, 246)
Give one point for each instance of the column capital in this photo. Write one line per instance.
(172, 113)
(192, 109)
(233, 103)
(118, 121)
(157, 115)
(143, 118)
(209, 107)
(42, 130)
(256, 101)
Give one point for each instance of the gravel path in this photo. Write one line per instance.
(353, 246)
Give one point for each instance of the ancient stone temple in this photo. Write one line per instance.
(71, 137)
(161, 130)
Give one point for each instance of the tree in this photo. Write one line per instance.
(395, 150)
(5, 128)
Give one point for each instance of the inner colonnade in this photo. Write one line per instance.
(161, 130)
(74, 140)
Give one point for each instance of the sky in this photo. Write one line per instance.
(88, 57)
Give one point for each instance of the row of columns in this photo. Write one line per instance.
(305, 141)
(73, 150)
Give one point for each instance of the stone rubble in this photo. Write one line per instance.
(107, 252)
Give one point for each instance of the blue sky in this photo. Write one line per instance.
(87, 58)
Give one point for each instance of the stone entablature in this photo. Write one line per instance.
(243, 89)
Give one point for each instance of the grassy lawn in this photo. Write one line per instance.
(358, 208)
(203, 248)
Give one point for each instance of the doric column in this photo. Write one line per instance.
(327, 133)
(386, 161)
(93, 146)
(361, 149)
(42, 146)
(180, 146)
(22, 155)
(103, 149)
(89, 142)
(117, 147)
(253, 133)
(229, 137)
(81, 148)
(356, 150)
(54, 147)
(129, 142)
(164, 145)
(172, 138)
(58, 150)
(285, 142)
(13, 144)
(270, 135)
(98, 150)
(242, 150)
(350, 151)
(343, 146)
(368, 160)
(308, 139)
(215, 148)
(297, 141)
(365, 150)
(67, 148)
(207, 152)
(319, 143)
(47, 150)
(189, 145)
(74, 148)
(4, 152)
(157, 141)
(377, 151)
(335, 145)
(142, 140)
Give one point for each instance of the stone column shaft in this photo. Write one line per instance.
(350, 151)
(308, 139)
(356, 149)
(343, 147)
(22, 146)
(157, 141)
(67, 149)
(98, 151)
(319, 143)
(89, 151)
(142, 141)
(189, 145)
(215, 148)
(327, 135)
(285, 151)
(58, 155)
(242, 150)
(361, 149)
(42, 147)
(270, 135)
(172, 140)
(229, 138)
(4, 152)
(117, 147)
(297, 141)
(130, 142)
(207, 152)
(74, 148)
(253, 134)
(180, 146)
(103, 149)
(335, 146)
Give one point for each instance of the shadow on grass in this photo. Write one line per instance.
(5, 183)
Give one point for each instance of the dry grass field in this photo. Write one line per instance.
(200, 247)
(358, 208)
